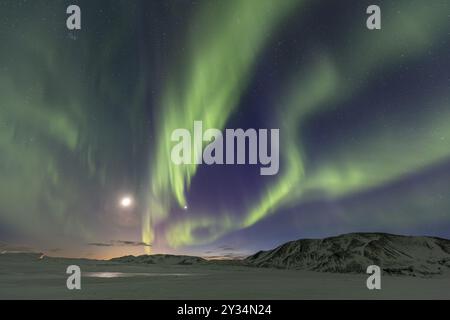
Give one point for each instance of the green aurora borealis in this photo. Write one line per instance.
(86, 116)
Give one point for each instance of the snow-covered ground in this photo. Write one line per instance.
(25, 276)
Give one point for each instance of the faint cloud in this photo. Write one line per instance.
(6, 247)
(227, 248)
(119, 243)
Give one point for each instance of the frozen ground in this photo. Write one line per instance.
(26, 277)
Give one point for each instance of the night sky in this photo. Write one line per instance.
(86, 118)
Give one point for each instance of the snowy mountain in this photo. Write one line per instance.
(395, 254)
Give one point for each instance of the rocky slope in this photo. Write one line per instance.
(405, 255)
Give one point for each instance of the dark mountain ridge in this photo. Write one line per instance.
(159, 259)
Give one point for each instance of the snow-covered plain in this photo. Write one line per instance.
(26, 276)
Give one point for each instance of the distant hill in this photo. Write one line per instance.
(352, 253)
(160, 259)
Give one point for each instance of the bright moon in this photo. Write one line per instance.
(126, 202)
